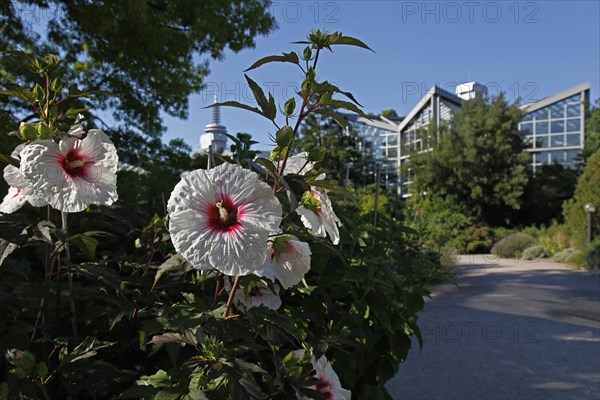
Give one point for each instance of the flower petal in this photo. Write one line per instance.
(14, 200)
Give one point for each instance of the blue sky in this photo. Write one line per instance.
(528, 49)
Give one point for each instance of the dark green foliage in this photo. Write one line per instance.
(545, 193)
(478, 162)
(586, 191)
(592, 131)
(359, 308)
(139, 322)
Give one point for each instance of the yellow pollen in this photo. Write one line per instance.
(222, 212)
(75, 164)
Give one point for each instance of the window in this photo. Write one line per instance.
(392, 152)
(571, 155)
(528, 117)
(526, 128)
(542, 141)
(557, 126)
(574, 139)
(574, 110)
(574, 125)
(541, 128)
(541, 114)
(557, 110)
(557, 156)
(557, 140)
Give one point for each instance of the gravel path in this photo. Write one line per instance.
(512, 330)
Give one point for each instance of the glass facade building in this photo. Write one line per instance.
(554, 128)
(378, 142)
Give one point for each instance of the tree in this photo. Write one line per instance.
(390, 113)
(586, 191)
(545, 193)
(143, 52)
(477, 163)
(341, 146)
(592, 131)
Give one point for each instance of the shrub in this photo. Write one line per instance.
(588, 257)
(553, 237)
(587, 191)
(513, 245)
(534, 251)
(566, 255)
(479, 239)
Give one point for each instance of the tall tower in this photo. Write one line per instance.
(213, 137)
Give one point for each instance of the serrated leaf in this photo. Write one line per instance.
(237, 104)
(326, 112)
(330, 87)
(267, 106)
(85, 243)
(347, 106)
(172, 337)
(174, 262)
(291, 57)
(349, 40)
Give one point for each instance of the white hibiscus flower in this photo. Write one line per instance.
(330, 386)
(317, 214)
(74, 173)
(299, 164)
(222, 219)
(20, 191)
(287, 262)
(259, 295)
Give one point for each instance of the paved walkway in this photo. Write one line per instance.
(512, 330)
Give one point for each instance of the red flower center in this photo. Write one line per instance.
(74, 164)
(223, 216)
(324, 388)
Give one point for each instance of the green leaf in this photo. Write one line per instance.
(13, 231)
(85, 243)
(291, 57)
(327, 112)
(329, 87)
(310, 202)
(237, 104)
(348, 40)
(160, 379)
(38, 93)
(26, 361)
(346, 105)
(172, 337)
(277, 153)
(316, 154)
(41, 370)
(267, 106)
(174, 262)
(18, 91)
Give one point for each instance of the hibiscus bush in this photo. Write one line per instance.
(259, 283)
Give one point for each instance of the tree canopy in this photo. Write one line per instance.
(478, 162)
(146, 53)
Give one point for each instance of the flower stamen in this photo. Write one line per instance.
(223, 214)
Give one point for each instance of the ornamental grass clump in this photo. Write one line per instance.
(513, 245)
